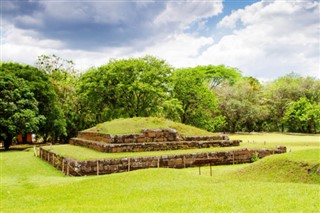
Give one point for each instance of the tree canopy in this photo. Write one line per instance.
(19, 113)
(54, 101)
(39, 84)
(198, 103)
(125, 88)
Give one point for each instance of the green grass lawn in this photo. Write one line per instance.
(293, 142)
(279, 183)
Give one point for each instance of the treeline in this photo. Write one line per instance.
(53, 101)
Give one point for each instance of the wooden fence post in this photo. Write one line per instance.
(97, 167)
(68, 165)
(62, 166)
(53, 159)
(184, 161)
(129, 162)
(233, 158)
(35, 151)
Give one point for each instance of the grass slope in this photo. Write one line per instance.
(280, 183)
(31, 185)
(295, 167)
(135, 125)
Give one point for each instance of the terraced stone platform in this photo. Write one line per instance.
(149, 140)
(76, 167)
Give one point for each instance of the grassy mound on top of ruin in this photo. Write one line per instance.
(135, 125)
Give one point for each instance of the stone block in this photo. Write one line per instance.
(151, 134)
(141, 139)
(159, 139)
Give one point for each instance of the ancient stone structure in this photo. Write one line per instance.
(107, 166)
(149, 140)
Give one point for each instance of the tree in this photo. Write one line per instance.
(40, 85)
(242, 105)
(302, 116)
(218, 75)
(124, 88)
(19, 113)
(284, 90)
(64, 79)
(53, 63)
(198, 103)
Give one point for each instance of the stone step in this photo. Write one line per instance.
(151, 146)
(147, 135)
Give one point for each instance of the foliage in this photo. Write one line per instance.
(281, 92)
(303, 116)
(19, 113)
(52, 64)
(39, 84)
(198, 103)
(219, 75)
(64, 79)
(255, 157)
(125, 88)
(241, 105)
(215, 98)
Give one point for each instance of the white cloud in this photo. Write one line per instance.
(27, 38)
(186, 12)
(270, 39)
(83, 60)
(180, 50)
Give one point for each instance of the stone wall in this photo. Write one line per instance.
(59, 162)
(147, 135)
(108, 166)
(151, 146)
(95, 136)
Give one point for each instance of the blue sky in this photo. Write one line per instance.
(265, 39)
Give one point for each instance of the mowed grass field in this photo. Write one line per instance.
(281, 183)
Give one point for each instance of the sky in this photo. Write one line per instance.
(264, 39)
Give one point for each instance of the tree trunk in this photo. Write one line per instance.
(7, 143)
(233, 127)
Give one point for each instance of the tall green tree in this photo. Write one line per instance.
(39, 84)
(19, 113)
(64, 79)
(242, 105)
(198, 103)
(124, 88)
